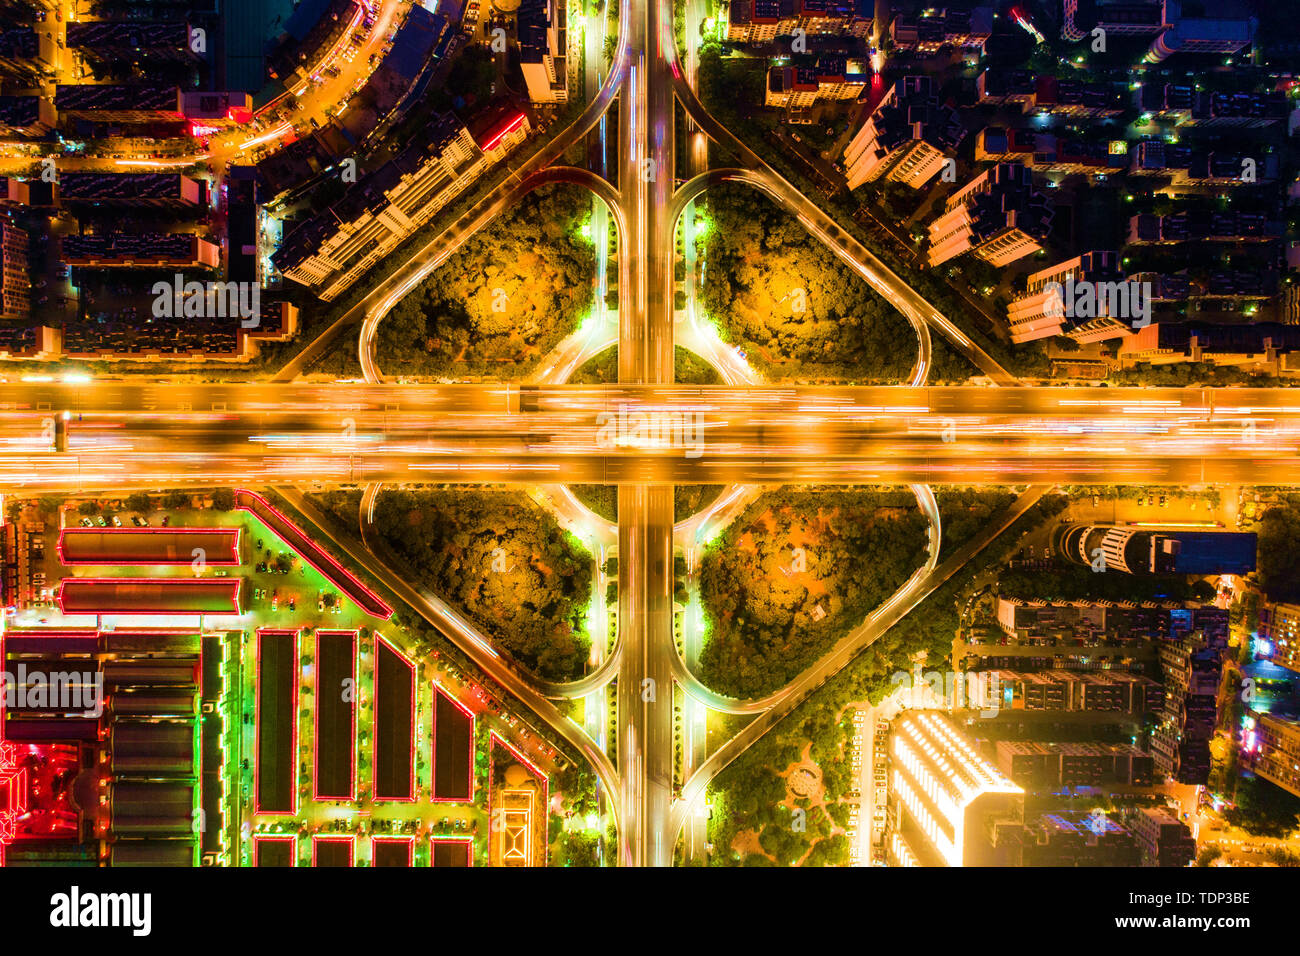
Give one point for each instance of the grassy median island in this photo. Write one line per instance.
(795, 573)
(797, 311)
(687, 499)
(502, 562)
(688, 369)
(503, 300)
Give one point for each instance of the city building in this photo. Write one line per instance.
(1225, 33)
(762, 21)
(1162, 839)
(1192, 667)
(1046, 308)
(998, 216)
(28, 117)
(309, 34)
(211, 110)
(1077, 99)
(1082, 636)
(1279, 625)
(133, 189)
(1134, 550)
(1091, 155)
(907, 138)
(243, 225)
(140, 250)
(543, 50)
(1269, 346)
(128, 762)
(998, 87)
(935, 29)
(140, 43)
(1115, 17)
(24, 59)
(119, 104)
(332, 249)
(1270, 747)
(1078, 839)
(946, 802)
(1062, 691)
(1035, 764)
(1202, 225)
(28, 342)
(15, 272)
(799, 87)
(1211, 109)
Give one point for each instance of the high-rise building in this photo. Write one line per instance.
(1163, 839)
(1078, 839)
(1192, 667)
(762, 21)
(907, 138)
(1143, 551)
(333, 248)
(1279, 625)
(1270, 746)
(1044, 310)
(1116, 17)
(1183, 34)
(16, 277)
(543, 50)
(946, 801)
(798, 87)
(1035, 764)
(935, 29)
(998, 215)
(1094, 691)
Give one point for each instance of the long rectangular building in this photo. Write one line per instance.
(139, 547)
(150, 596)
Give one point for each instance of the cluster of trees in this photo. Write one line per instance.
(690, 369)
(223, 499)
(1187, 373)
(1074, 582)
(578, 848)
(501, 561)
(1276, 566)
(601, 499)
(692, 499)
(1262, 809)
(600, 369)
(794, 574)
(753, 791)
(503, 300)
(964, 512)
(793, 306)
(947, 365)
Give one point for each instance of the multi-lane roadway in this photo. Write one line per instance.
(128, 434)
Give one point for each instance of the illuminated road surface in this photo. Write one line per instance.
(129, 435)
